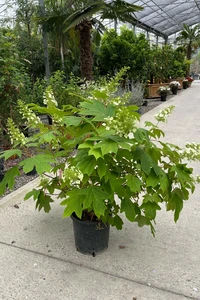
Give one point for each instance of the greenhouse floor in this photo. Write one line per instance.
(38, 260)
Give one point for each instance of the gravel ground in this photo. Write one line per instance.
(23, 179)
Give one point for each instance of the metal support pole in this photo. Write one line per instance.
(156, 40)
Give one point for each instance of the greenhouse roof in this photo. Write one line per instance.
(166, 17)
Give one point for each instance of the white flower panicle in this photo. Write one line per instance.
(28, 115)
(191, 152)
(163, 114)
(48, 97)
(16, 137)
(72, 175)
(123, 123)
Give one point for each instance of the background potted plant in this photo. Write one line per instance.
(190, 80)
(101, 164)
(174, 85)
(185, 83)
(163, 91)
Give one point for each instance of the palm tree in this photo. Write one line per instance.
(82, 17)
(189, 38)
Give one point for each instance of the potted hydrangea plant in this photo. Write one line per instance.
(163, 91)
(101, 164)
(174, 87)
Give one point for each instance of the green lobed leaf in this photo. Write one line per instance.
(101, 169)
(43, 201)
(8, 153)
(134, 183)
(42, 163)
(97, 109)
(72, 120)
(34, 193)
(9, 179)
(183, 173)
(87, 165)
(152, 179)
(145, 159)
(150, 209)
(141, 135)
(117, 222)
(95, 152)
(47, 137)
(128, 207)
(107, 146)
(176, 203)
(74, 203)
(96, 196)
(164, 181)
(117, 185)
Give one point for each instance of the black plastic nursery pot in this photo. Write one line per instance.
(91, 237)
(185, 85)
(163, 97)
(174, 90)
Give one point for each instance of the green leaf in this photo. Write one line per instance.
(164, 181)
(8, 153)
(134, 183)
(152, 179)
(141, 135)
(96, 196)
(74, 203)
(95, 152)
(100, 94)
(107, 146)
(117, 222)
(156, 132)
(41, 162)
(34, 193)
(47, 137)
(145, 159)
(43, 201)
(117, 184)
(87, 165)
(150, 209)
(72, 120)
(86, 144)
(142, 220)
(101, 167)
(183, 173)
(128, 207)
(9, 179)
(176, 203)
(97, 109)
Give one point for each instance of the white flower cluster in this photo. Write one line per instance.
(123, 123)
(163, 114)
(15, 135)
(192, 151)
(28, 114)
(48, 97)
(72, 175)
(163, 89)
(174, 83)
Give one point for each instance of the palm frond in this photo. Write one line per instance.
(84, 13)
(121, 10)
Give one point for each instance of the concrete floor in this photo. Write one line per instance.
(38, 260)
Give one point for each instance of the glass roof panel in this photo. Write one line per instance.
(166, 17)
